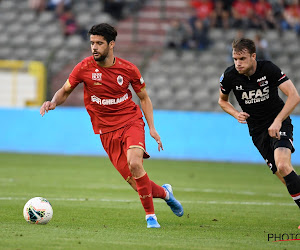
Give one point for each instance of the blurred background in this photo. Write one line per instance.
(181, 47)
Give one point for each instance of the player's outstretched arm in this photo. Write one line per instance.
(59, 97)
(147, 108)
(228, 108)
(293, 99)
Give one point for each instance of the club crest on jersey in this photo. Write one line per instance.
(120, 79)
(262, 81)
(97, 76)
(142, 80)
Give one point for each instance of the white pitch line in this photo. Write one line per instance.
(241, 203)
(186, 189)
(250, 193)
(253, 203)
(199, 190)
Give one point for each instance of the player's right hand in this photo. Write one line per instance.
(242, 117)
(46, 107)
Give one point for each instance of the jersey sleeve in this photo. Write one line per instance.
(225, 85)
(276, 74)
(75, 76)
(137, 81)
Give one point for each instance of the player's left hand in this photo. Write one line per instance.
(274, 129)
(156, 137)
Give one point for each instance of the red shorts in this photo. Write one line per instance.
(116, 144)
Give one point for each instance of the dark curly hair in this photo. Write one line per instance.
(104, 29)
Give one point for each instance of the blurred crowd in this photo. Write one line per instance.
(63, 11)
(204, 15)
(53, 5)
(118, 9)
(262, 15)
(69, 24)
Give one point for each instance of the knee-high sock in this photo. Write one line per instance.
(143, 186)
(292, 181)
(158, 191)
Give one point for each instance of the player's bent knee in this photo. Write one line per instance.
(284, 167)
(135, 166)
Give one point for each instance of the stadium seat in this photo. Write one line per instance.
(19, 41)
(46, 17)
(22, 53)
(15, 28)
(74, 41)
(84, 19)
(5, 53)
(168, 56)
(272, 35)
(52, 30)
(54, 42)
(4, 40)
(27, 17)
(37, 41)
(33, 29)
(41, 54)
(295, 63)
(8, 5)
(216, 34)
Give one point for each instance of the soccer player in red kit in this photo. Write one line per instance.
(116, 117)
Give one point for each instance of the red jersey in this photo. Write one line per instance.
(203, 8)
(244, 8)
(107, 97)
(293, 11)
(262, 8)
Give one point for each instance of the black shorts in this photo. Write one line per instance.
(266, 144)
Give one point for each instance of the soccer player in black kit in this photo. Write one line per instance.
(255, 85)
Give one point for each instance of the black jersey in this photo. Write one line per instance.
(256, 94)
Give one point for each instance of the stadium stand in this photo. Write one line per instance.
(184, 81)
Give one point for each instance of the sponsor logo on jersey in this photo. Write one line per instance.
(262, 81)
(282, 133)
(97, 76)
(109, 101)
(239, 87)
(255, 96)
(120, 79)
(97, 83)
(222, 77)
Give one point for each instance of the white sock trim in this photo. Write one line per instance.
(151, 215)
(167, 195)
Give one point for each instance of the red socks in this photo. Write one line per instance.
(158, 191)
(144, 188)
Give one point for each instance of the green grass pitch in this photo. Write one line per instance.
(227, 205)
